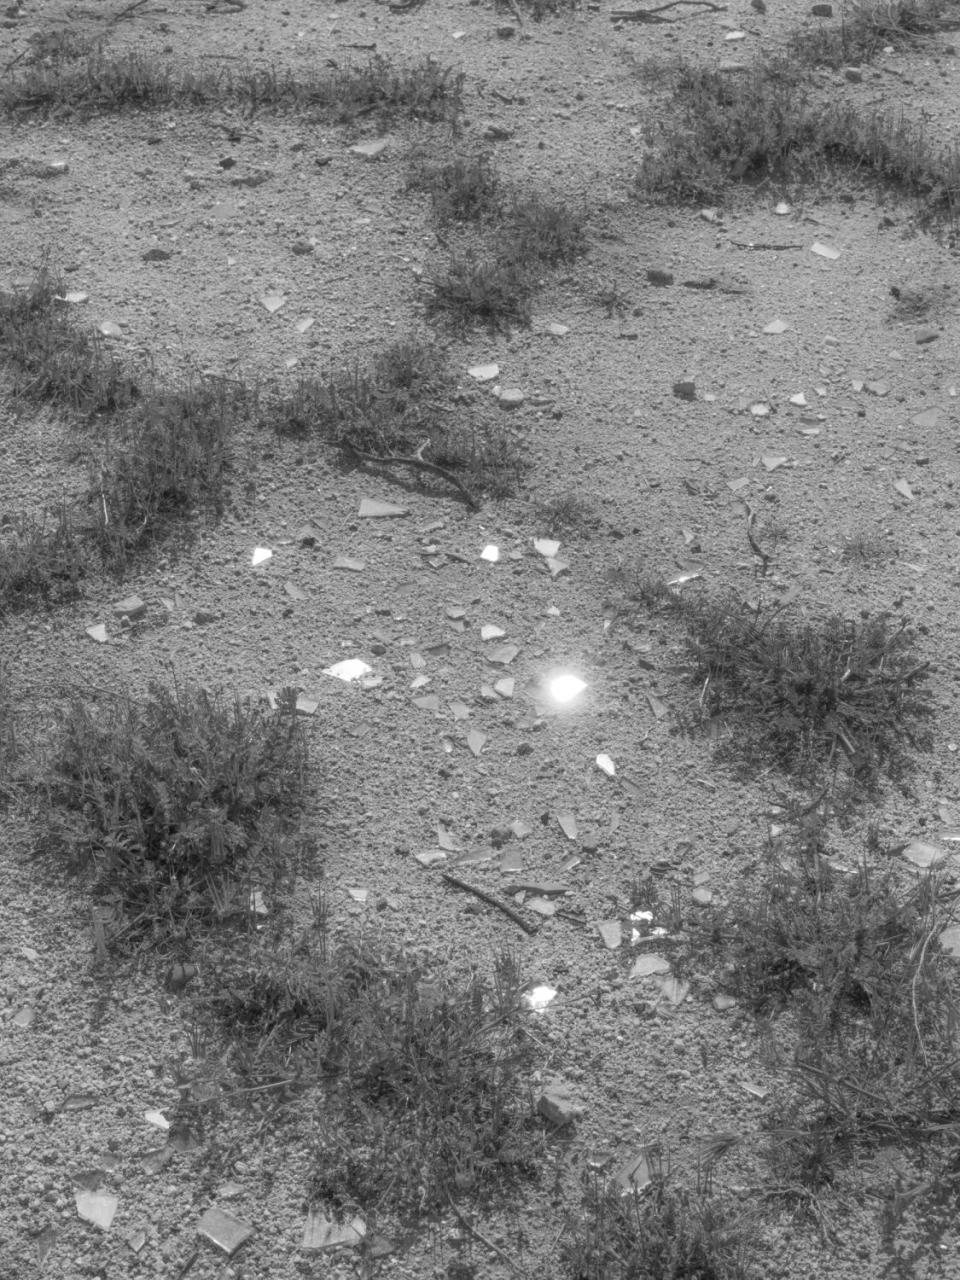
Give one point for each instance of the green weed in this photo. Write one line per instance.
(424, 1072)
(664, 1231)
(847, 973)
(106, 81)
(400, 410)
(868, 27)
(766, 126)
(543, 232)
(566, 512)
(167, 457)
(488, 290)
(48, 358)
(176, 807)
(465, 188)
(806, 695)
(41, 558)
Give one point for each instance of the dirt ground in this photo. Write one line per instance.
(789, 422)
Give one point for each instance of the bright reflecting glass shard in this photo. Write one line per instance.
(566, 687)
(539, 997)
(260, 554)
(349, 669)
(491, 553)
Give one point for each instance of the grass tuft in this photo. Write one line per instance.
(465, 188)
(175, 807)
(857, 996)
(765, 125)
(107, 81)
(399, 409)
(663, 1230)
(49, 359)
(807, 695)
(489, 290)
(424, 1073)
(870, 26)
(40, 559)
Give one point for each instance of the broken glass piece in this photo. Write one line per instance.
(349, 564)
(45, 1241)
(675, 990)
(547, 547)
(260, 555)
(427, 857)
(922, 854)
(490, 632)
(475, 741)
(776, 326)
(644, 966)
(505, 687)
(520, 828)
(634, 1175)
(24, 1017)
(556, 567)
(568, 825)
(224, 1230)
(305, 706)
(348, 669)
(490, 553)
(371, 509)
(428, 702)
(950, 941)
(566, 687)
(610, 934)
(359, 895)
(511, 862)
(294, 592)
(98, 633)
(606, 765)
(418, 682)
(504, 654)
(447, 840)
(460, 710)
(756, 1090)
(98, 1207)
(156, 1118)
(321, 1232)
(825, 250)
(542, 906)
(539, 997)
(484, 372)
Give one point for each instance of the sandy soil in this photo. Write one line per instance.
(667, 481)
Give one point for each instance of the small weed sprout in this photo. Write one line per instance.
(463, 189)
(566, 513)
(663, 1230)
(488, 290)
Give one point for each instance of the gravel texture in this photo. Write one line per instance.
(665, 480)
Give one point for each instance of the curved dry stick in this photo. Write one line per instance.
(482, 894)
(390, 459)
